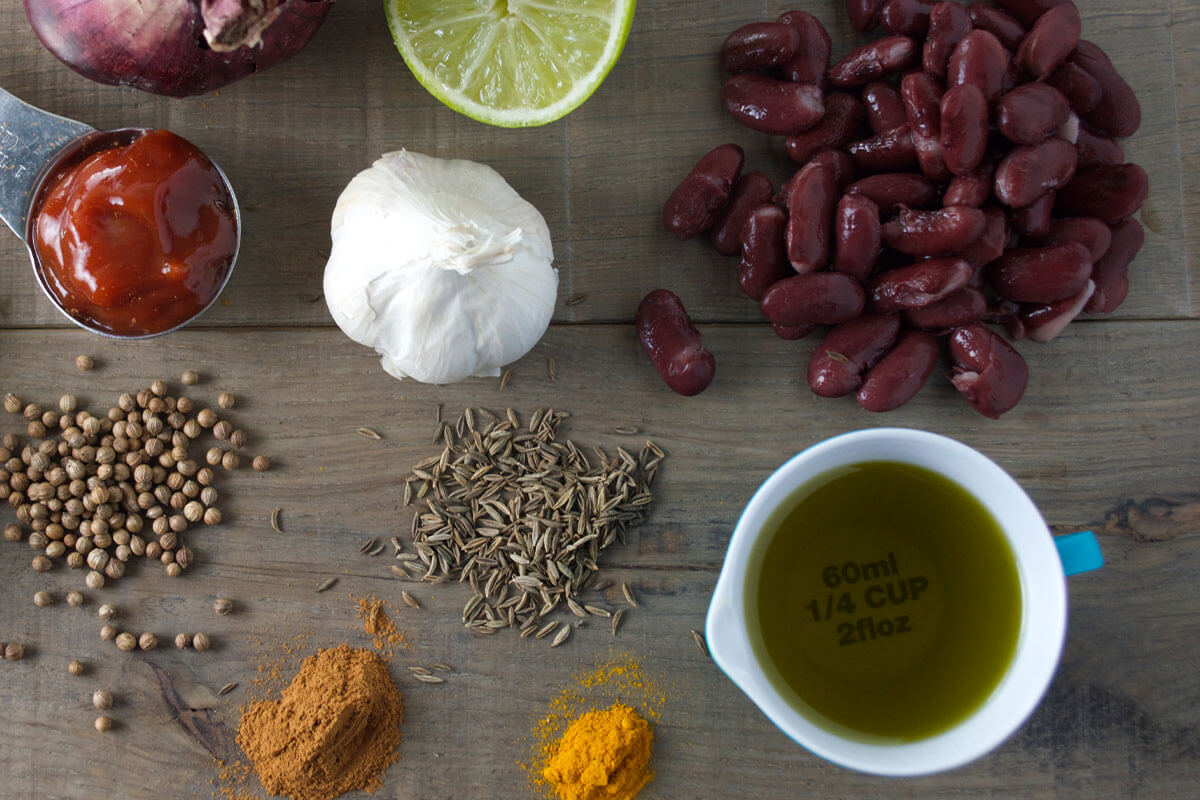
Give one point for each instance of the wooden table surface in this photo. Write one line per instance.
(1107, 438)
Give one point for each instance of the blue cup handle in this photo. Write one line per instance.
(1079, 552)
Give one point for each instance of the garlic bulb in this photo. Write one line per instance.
(440, 266)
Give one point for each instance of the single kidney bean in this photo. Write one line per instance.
(1110, 272)
(1080, 89)
(962, 307)
(673, 343)
(751, 191)
(843, 116)
(1032, 221)
(933, 233)
(816, 298)
(885, 152)
(1030, 113)
(857, 234)
(848, 350)
(1107, 193)
(900, 374)
(1095, 150)
(810, 64)
(987, 371)
(990, 245)
(1045, 321)
(999, 23)
(1041, 274)
(906, 17)
(980, 60)
(972, 188)
(948, 24)
(922, 96)
(964, 128)
(864, 14)
(930, 157)
(834, 160)
(872, 61)
(1088, 231)
(1029, 172)
(918, 285)
(1050, 41)
(894, 189)
(1118, 112)
(772, 106)
(810, 215)
(764, 254)
(759, 45)
(791, 333)
(884, 106)
(697, 201)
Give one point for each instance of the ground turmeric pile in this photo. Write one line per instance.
(335, 728)
(603, 755)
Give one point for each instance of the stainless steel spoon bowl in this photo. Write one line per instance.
(34, 144)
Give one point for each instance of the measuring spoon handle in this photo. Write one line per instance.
(29, 140)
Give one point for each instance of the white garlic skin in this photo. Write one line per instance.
(440, 266)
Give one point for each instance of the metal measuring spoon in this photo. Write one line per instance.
(33, 145)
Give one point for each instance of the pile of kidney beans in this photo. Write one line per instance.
(962, 169)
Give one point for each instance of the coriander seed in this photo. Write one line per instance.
(212, 516)
(226, 400)
(189, 378)
(108, 633)
(222, 430)
(13, 404)
(74, 599)
(41, 564)
(12, 533)
(76, 667)
(14, 651)
(238, 438)
(261, 463)
(158, 388)
(213, 455)
(126, 641)
(147, 641)
(174, 570)
(200, 641)
(43, 599)
(67, 403)
(230, 461)
(223, 605)
(206, 417)
(104, 723)
(183, 640)
(85, 363)
(106, 612)
(102, 699)
(94, 579)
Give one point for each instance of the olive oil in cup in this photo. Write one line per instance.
(893, 601)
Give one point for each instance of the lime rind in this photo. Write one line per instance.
(528, 66)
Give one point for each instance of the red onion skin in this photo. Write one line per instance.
(159, 46)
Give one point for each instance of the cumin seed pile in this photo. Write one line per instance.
(522, 517)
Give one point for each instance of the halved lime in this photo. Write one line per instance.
(513, 63)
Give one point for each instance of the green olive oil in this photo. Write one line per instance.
(883, 602)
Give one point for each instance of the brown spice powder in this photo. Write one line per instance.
(379, 626)
(335, 728)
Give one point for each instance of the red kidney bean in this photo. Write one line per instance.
(1109, 273)
(900, 374)
(922, 103)
(697, 201)
(673, 343)
(1033, 220)
(791, 333)
(810, 215)
(918, 285)
(1095, 150)
(1106, 193)
(810, 64)
(848, 350)
(990, 245)
(884, 106)
(885, 152)
(1050, 41)
(1080, 89)
(872, 61)
(843, 116)
(857, 234)
(948, 24)
(933, 233)
(751, 191)
(1030, 113)
(906, 17)
(816, 298)
(964, 128)
(772, 106)
(930, 158)
(980, 60)
(972, 188)
(1118, 113)
(987, 371)
(759, 45)
(962, 307)
(999, 23)
(834, 160)
(1041, 274)
(1029, 172)
(1088, 231)
(864, 14)
(891, 190)
(764, 254)
(1045, 321)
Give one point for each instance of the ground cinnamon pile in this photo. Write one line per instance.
(335, 728)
